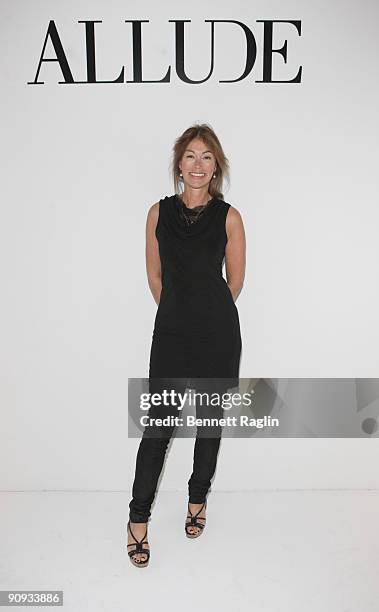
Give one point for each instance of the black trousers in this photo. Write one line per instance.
(152, 451)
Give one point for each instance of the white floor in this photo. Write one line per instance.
(295, 551)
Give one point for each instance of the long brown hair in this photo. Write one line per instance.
(205, 132)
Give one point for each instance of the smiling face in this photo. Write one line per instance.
(197, 164)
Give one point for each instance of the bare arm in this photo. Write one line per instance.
(153, 261)
(235, 252)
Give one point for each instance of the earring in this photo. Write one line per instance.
(181, 175)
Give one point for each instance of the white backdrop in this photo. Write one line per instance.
(81, 165)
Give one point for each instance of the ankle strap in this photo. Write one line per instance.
(134, 538)
(195, 515)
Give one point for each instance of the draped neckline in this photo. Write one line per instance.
(184, 210)
(180, 201)
(180, 226)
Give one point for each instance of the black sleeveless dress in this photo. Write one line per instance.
(196, 330)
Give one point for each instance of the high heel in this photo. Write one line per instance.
(139, 549)
(194, 522)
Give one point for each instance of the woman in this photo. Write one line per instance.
(196, 332)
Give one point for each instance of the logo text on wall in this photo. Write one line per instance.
(137, 32)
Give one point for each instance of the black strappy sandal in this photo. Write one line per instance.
(138, 550)
(194, 522)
